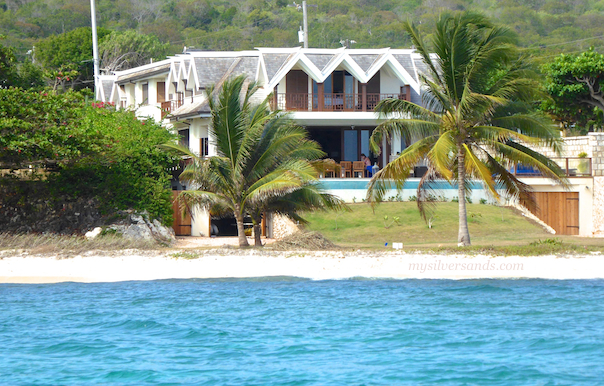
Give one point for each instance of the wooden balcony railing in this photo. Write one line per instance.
(572, 167)
(329, 102)
(169, 106)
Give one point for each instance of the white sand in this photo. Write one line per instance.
(17, 267)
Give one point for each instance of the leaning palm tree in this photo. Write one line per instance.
(280, 145)
(477, 120)
(260, 155)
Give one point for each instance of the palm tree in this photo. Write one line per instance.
(260, 157)
(477, 121)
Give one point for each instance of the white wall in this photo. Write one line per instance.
(358, 195)
(200, 222)
(389, 84)
(149, 108)
(198, 130)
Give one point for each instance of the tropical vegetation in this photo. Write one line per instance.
(576, 86)
(477, 119)
(262, 161)
(68, 149)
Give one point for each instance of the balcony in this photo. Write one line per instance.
(169, 106)
(329, 102)
(572, 167)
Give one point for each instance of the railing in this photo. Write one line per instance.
(572, 167)
(329, 102)
(169, 106)
(374, 99)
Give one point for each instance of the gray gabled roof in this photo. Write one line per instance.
(146, 73)
(190, 110)
(320, 60)
(274, 62)
(364, 61)
(407, 62)
(211, 69)
(248, 66)
(421, 68)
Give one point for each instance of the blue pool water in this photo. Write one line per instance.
(285, 331)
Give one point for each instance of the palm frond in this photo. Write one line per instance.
(426, 194)
(405, 128)
(308, 198)
(535, 126)
(179, 149)
(479, 170)
(391, 106)
(442, 155)
(496, 133)
(422, 48)
(519, 154)
(512, 186)
(395, 173)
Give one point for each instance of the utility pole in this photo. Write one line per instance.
(305, 16)
(304, 33)
(95, 46)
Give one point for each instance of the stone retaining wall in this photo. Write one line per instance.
(283, 226)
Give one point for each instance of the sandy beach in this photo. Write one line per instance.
(20, 267)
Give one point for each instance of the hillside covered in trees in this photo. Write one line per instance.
(546, 27)
(48, 42)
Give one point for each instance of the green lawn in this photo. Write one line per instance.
(489, 226)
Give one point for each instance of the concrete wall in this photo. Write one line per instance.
(596, 152)
(598, 206)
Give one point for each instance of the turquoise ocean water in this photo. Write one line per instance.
(286, 331)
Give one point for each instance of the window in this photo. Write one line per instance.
(183, 137)
(145, 94)
(203, 147)
(161, 92)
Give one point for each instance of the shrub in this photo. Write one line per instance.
(95, 151)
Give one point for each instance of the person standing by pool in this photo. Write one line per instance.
(368, 168)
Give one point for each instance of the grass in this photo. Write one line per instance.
(51, 243)
(187, 255)
(492, 229)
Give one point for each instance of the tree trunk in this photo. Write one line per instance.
(463, 236)
(257, 234)
(240, 230)
(257, 220)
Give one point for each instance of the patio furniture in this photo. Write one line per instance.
(330, 169)
(346, 169)
(358, 167)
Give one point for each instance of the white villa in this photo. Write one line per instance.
(332, 93)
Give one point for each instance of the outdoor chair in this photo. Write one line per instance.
(346, 169)
(358, 167)
(328, 168)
